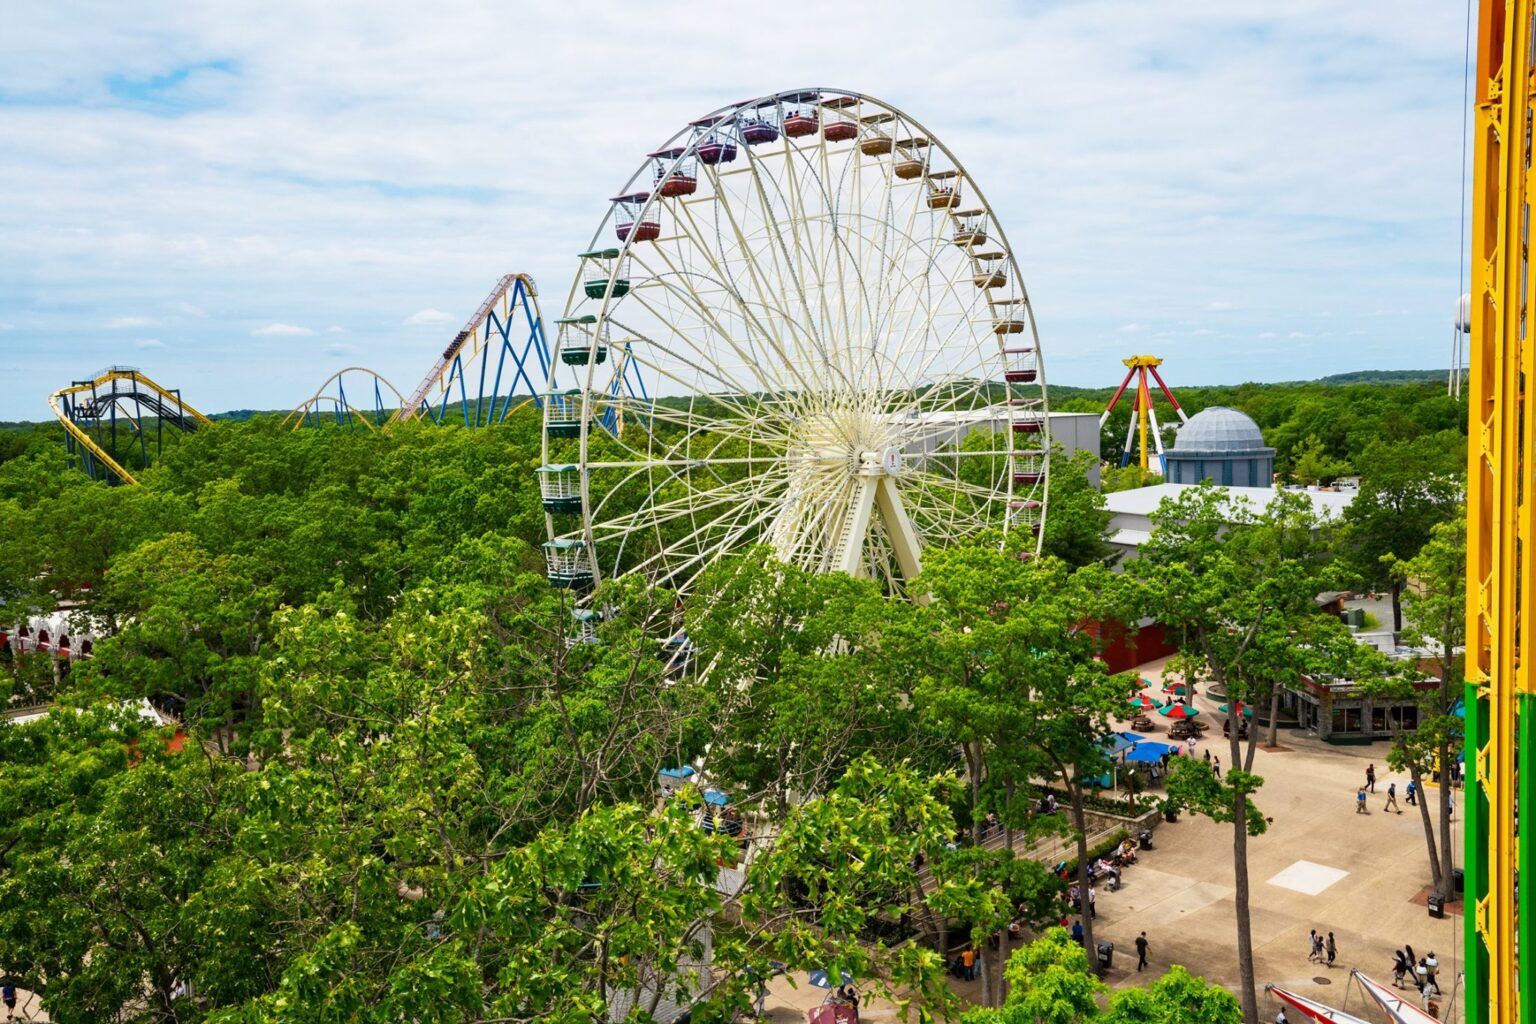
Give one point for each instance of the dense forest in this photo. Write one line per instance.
(401, 785)
(1335, 420)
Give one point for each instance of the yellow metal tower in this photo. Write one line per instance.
(1501, 527)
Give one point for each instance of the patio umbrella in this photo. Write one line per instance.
(1141, 702)
(1246, 710)
(829, 978)
(1173, 710)
(1177, 689)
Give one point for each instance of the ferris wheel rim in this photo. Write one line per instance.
(693, 136)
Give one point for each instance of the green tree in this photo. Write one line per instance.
(1078, 519)
(1050, 984)
(1238, 585)
(1008, 675)
(1178, 997)
(1405, 490)
(1311, 463)
(1124, 478)
(795, 683)
(109, 837)
(1434, 607)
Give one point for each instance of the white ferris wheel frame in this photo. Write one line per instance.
(876, 478)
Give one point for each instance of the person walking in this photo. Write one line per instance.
(1413, 792)
(1399, 968)
(1281, 1018)
(1360, 801)
(1431, 971)
(968, 963)
(1077, 932)
(1216, 767)
(1093, 903)
(1141, 951)
(1333, 950)
(1312, 947)
(8, 995)
(1370, 777)
(1391, 804)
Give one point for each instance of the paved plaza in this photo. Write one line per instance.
(1321, 865)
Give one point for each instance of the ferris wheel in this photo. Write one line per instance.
(800, 325)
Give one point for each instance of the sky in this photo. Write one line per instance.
(241, 198)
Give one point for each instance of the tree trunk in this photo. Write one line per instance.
(1422, 799)
(1397, 608)
(1445, 884)
(1008, 818)
(1240, 897)
(973, 767)
(1274, 722)
(1075, 788)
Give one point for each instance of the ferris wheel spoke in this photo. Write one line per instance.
(778, 314)
(702, 545)
(771, 340)
(685, 505)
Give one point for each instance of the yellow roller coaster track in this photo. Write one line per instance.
(108, 380)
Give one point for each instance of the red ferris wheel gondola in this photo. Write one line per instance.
(626, 218)
(675, 172)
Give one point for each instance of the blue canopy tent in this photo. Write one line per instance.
(1114, 748)
(1149, 752)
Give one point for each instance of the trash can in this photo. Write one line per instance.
(1106, 954)
(1459, 879)
(1144, 839)
(1171, 815)
(1436, 904)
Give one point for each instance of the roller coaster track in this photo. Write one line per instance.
(331, 401)
(521, 356)
(89, 411)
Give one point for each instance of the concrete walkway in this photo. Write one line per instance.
(1320, 865)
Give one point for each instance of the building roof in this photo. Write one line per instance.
(1219, 429)
(1142, 501)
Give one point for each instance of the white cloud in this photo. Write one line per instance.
(1268, 334)
(276, 330)
(1298, 334)
(1132, 328)
(7, 327)
(187, 309)
(149, 343)
(1219, 306)
(120, 322)
(1202, 331)
(428, 318)
(335, 329)
(370, 195)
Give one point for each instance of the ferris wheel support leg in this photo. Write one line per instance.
(898, 527)
(850, 552)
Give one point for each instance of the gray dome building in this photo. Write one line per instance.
(1223, 446)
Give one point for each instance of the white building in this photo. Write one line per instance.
(1131, 511)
